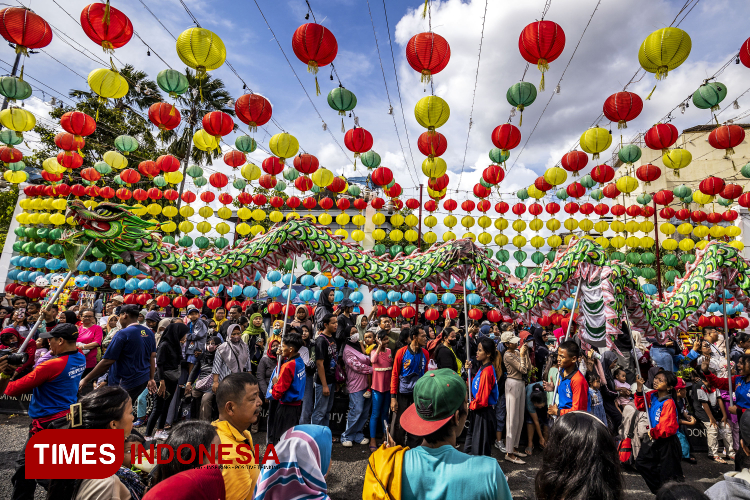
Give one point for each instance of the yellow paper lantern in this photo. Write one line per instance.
(411, 220)
(153, 209)
(243, 229)
(633, 241)
(108, 83)
(342, 219)
(396, 235)
(201, 50)
(664, 50)
(553, 224)
(702, 198)
(257, 229)
(536, 224)
(626, 184)
(378, 234)
(397, 220)
(571, 224)
(430, 221)
(169, 211)
(501, 240)
(601, 226)
(186, 226)
(17, 119)
(359, 220)
(358, 235)
(537, 242)
(276, 216)
(244, 213)
(735, 244)
(224, 213)
(618, 241)
(668, 229)
(467, 221)
(555, 176)
(258, 215)
(343, 233)
(436, 195)
(57, 219)
(187, 211)
(33, 218)
(501, 223)
(434, 167)
(378, 219)
(322, 177)
(204, 227)
(535, 193)
(554, 241)
(484, 222)
(138, 209)
(59, 204)
(703, 243)
(669, 244)
(292, 215)
(646, 226)
(632, 226)
(449, 236)
(677, 159)
(43, 218)
(411, 235)
(484, 238)
(585, 225)
(250, 172)
(222, 228)
(115, 160)
(733, 231)
(173, 177)
(602, 241)
(519, 225)
(429, 237)
(685, 228)
(617, 226)
(15, 177)
(432, 112)
(450, 220)
(168, 227)
(206, 212)
(647, 242)
(687, 245)
(283, 145)
(519, 241)
(470, 236)
(205, 141)
(325, 219)
(596, 140)
(717, 232)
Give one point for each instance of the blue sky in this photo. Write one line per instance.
(604, 62)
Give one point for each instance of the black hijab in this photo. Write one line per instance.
(324, 302)
(354, 345)
(70, 317)
(170, 339)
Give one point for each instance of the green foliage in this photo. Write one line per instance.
(8, 201)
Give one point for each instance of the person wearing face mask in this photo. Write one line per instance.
(358, 366)
(445, 352)
(269, 360)
(232, 356)
(168, 359)
(254, 331)
(200, 381)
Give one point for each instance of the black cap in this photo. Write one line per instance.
(745, 427)
(347, 303)
(65, 331)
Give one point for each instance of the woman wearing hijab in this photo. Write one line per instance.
(168, 359)
(540, 347)
(200, 381)
(254, 331)
(233, 356)
(267, 363)
(362, 323)
(163, 324)
(609, 391)
(358, 367)
(68, 317)
(301, 317)
(304, 453)
(325, 305)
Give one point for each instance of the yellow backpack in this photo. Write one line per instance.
(383, 476)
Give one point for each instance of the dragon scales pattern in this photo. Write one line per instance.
(120, 234)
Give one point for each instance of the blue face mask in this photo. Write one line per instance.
(277, 330)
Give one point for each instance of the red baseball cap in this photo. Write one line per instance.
(438, 395)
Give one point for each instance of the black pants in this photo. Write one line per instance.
(136, 391)
(399, 434)
(23, 489)
(658, 462)
(481, 433)
(284, 418)
(159, 416)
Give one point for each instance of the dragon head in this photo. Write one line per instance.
(114, 227)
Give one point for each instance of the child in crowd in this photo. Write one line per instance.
(288, 388)
(595, 396)
(368, 344)
(658, 460)
(536, 415)
(708, 406)
(685, 418)
(573, 390)
(621, 383)
(127, 475)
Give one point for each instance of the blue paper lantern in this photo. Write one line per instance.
(306, 295)
(473, 299)
(285, 294)
(394, 296)
(730, 309)
(321, 280)
(179, 290)
(131, 284)
(250, 292)
(429, 287)
(13, 274)
(274, 291)
(430, 299)
(470, 285)
(352, 284)
(23, 276)
(133, 271)
(316, 295)
(96, 281)
(82, 281)
(235, 291)
(38, 262)
(739, 308)
(25, 261)
(84, 266)
(649, 289)
(117, 283)
(273, 276)
(52, 264)
(408, 297)
(356, 297)
(98, 267)
(195, 291)
(379, 295)
(714, 308)
(338, 296)
(119, 269)
(338, 282)
(14, 260)
(448, 299)
(307, 280)
(257, 276)
(448, 286)
(146, 284)
(727, 295)
(163, 287)
(288, 278)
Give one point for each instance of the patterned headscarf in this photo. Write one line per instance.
(304, 454)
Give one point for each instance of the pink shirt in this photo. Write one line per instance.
(357, 369)
(88, 335)
(382, 365)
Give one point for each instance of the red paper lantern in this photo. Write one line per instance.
(361, 204)
(484, 206)
(711, 186)
(731, 191)
(698, 216)
(91, 191)
(742, 322)
(309, 203)
(618, 210)
(140, 195)
(377, 203)
(634, 211)
(68, 159)
(25, 29)
(78, 123)
(106, 26)
(430, 206)
(218, 180)
(408, 312)
(432, 143)
(744, 200)
(611, 191)
(717, 321)
(730, 215)
(571, 208)
(61, 190)
(494, 316)
(494, 174)
(411, 203)
(475, 314)
(314, 45)
(217, 123)
(552, 208)
(682, 214)
(428, 54)
(661, 136)
(130, 298)
(575, 190)
(468, 206)
(303, 183)
(226, 198)
(519, 209)
(481, 192)
(214, 303)
(198, 303)
(501, 207)
(541, 184)
(51, 177)
(450, 313)
(506, 137)
(342, 203)
(666, 213)
(544, 321)
(164, 115)
(337, 185)
(244, 198)
(123, 194)
(207, 197)
(306, 163)
(253, 110)
(142, 298)
(91, 175)
(714, 218)
(726, 137)
(69, 142)
(586, 208)
(744, 55)
(260, 199)
(648, 173)
(623, 107)
(393, 311)
(292, 202)
(171, 194)
(148, 168)
(602, 174)
(575, 161)
(358, 141)
(130, 176)
(382, 176)
(540, 43)
(326, 203)
(664, 197)
(535, 209)
(235, 158)
(393, 191)
(272, 165)
(430, 314)
(155, 194)
(162, 301)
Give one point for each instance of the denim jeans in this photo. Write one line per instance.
(500, 413)
(663, 357)
(359, 413)
(308, 401)
(323, 404)
(142, 403)
(381, 403)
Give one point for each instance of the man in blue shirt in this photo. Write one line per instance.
(130, 357)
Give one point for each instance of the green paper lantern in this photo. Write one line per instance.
(587, 182)
(636, 271)
(14, 88)
(670, 260)
(370, 159)
(159, 181)
(596, 194)
(648, 272)
(354, 190)
(239, 184)
(648, 258)
(521, 95)
(194, 171)
(245, 143)
(485, 183)
(186, 241)
(10, 138)
(643, 198)
(522, 194)
(687, 200)
(632, 258)
(280, 187)
(173, 82)
(200, 181)
(31, 232)
(709, 95)
(118, 181)
(379, 249)
(723, 201)
(390, 184)
(43, 232)
(126, 144)
(519, 255)
(41, 247)
(342, 100)
(102, 168)
(17, 166)
(288, 264)
(617, 256)
(521, 272)
(290, 174)
(502, 255)
(682, 191)
(504, 269)
(18, 246)
(98, 253)
(561, 194)
(490, 252)
(315, 189)
(745, 171)
(395, 250)
(537, 257)
(202, 242)
(55, 249)
(687, 257)
(168, 239)
(20, 232)
(629, 153)
(55, 234)
(669, 276)
(308, 265)
(551, 255)
(410, 249)
(221, 242)
(497, 155)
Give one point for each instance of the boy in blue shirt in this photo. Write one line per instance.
(288, 388)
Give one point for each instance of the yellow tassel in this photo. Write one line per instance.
(317, 87)
(342, 125)
(622, 124)
(424, 12)
(355, 163)
(652, 93)
(730, 151)
(106, 14)
(21, 77)
(200, 89)
(520, 121)
(171, 111)
(541, 84)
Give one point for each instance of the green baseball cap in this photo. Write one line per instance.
(438, 395)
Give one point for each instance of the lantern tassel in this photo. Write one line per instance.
(342, 125)
(730, 151)
(622, 124)
(520, 121)
(21, 77)
(317, 87)
(541, 84)
(648, 98)
(106, 13)
(424, 12)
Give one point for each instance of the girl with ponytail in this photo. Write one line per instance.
(484, 396)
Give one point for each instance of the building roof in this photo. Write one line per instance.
(709, 128)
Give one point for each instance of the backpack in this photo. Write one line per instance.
(625, 448)
(311, 367)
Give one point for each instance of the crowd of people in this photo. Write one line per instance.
(430, 401)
